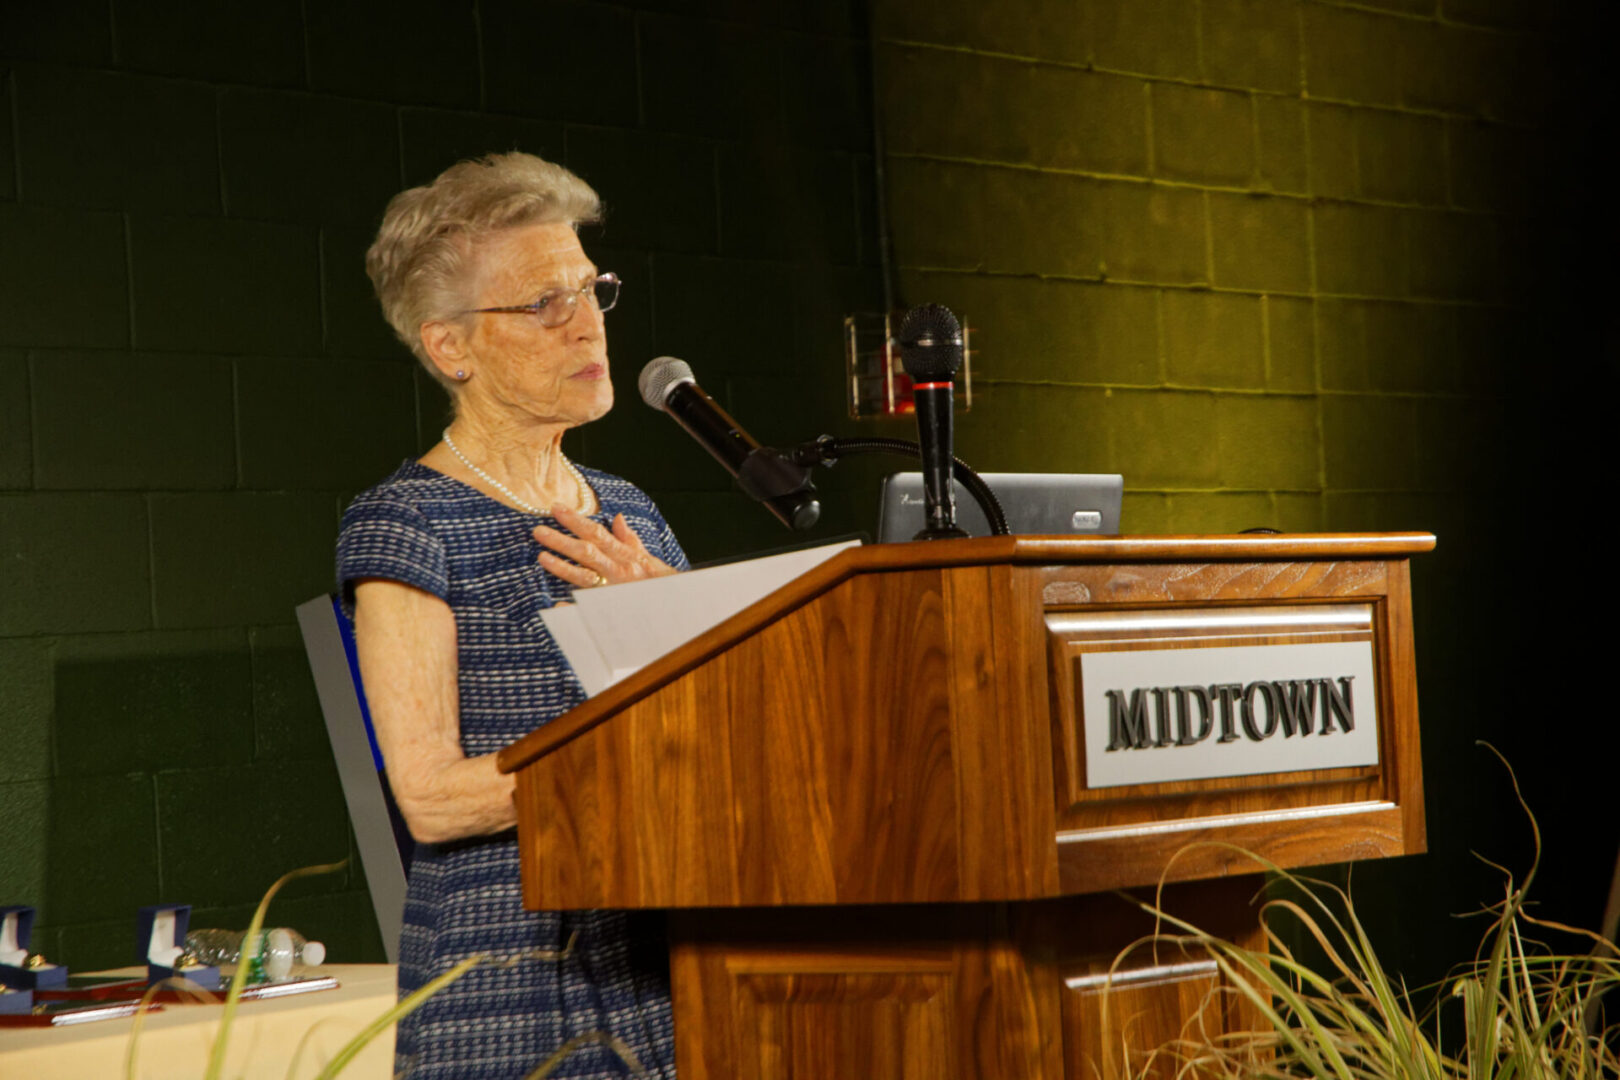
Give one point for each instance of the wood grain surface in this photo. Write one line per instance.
(906, 734)
(1063, 988)
(864, 799)
(1138, 551)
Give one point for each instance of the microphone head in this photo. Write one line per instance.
(659, 377)
(930, 343)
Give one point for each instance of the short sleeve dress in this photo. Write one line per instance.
(504, 1018)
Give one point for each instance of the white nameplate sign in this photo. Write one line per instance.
(1157, 715)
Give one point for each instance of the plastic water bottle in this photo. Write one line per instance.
(282, 951)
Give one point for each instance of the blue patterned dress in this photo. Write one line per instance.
(502, 1019)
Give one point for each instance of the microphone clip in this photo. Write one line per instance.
(775, 479)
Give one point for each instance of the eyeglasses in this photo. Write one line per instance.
(556, 306)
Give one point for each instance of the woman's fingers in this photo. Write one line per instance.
(573, 573)
(655, 566)
(593, 533)
(617, 554)
(581, 551)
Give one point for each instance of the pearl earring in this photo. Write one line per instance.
(461, 376)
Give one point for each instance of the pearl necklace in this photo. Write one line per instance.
(579, 480)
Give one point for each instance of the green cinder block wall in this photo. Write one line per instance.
(195, 378)
(1307, 266)
(1280, 263)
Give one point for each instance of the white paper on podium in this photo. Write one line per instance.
(613, 631)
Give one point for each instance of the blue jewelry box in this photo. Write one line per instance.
(160, 943)
(16, 930)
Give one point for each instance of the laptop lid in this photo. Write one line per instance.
(1035, 504)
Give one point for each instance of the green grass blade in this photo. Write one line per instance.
(410, 1004)
(250, 948)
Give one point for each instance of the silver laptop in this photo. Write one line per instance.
(1036, 504)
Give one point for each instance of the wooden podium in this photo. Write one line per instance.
(867, 800)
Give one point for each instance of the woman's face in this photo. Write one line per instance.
(557, 374)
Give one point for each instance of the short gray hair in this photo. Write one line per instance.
(422, 261)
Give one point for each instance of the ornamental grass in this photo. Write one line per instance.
(1519, 1010)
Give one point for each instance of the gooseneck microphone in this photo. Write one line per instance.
(930, 343)
(782, 485)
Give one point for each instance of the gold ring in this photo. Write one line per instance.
(601, 579)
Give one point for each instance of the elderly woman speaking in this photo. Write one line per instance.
(448, 564)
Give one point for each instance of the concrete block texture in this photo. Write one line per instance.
(152, 701)
(1268, 441)
(287, 719)
(261, 44)
(1213, 340)
(757, 296)
(1426, 64)
(351, 318)
(16, 422)
(432, 140)
(1338, 42)
(229, 851)
(1334, 169)
(72, 563)
(708, 78)
(1455, 256)
(1047, 29)
(162, 421)
(1039, 427)
(1297, 511)
(1149, 37)
(209, 285)
(1385, 346)
(1164, 439)
(27, 706)
(1021, 221)
(1360, 250)
(1281, 161)
(1401, 157)
(66, 282)
(1369, 442)
(953, 104)
(826, 92)
(1251, 43)
(1260, 243)
(103, 847)
(1204, 136)
(1027, 328)
(780, 202)
(592, 81)
(25, 807)
(413, 51)
(279, 152)
(1378, 154)
(1290, 344)
(139, 142)
(202, 542)
(1144, 513)
(333, 425)
(1219, 512)
(8, 155)
(678, 213)
(73, 32)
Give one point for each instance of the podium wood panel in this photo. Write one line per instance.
(886, 729)
(918, 774)
(865, 800)
(948, 992)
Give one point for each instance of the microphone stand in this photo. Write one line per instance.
(827, 449)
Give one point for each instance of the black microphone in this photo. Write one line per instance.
(763, 473)
(931, 351)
